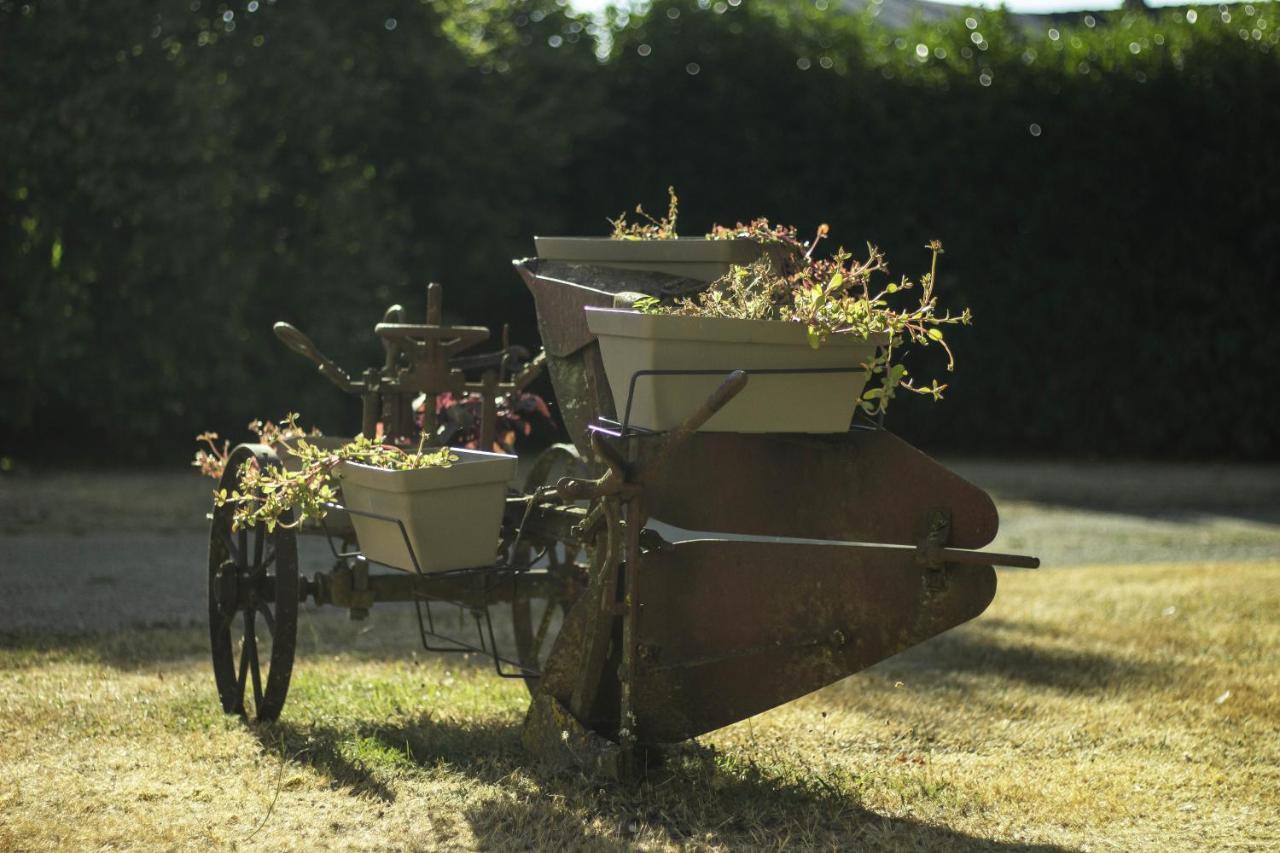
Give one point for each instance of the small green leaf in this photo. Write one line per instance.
(935, 334)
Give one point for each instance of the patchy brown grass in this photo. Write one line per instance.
(1107, 707)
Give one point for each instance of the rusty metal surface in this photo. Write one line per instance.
(568, 659)
(730, 629)
(561, 291)
(582, 392)
(557, 740)
(710, 632)
(562, 323)
(419, 360)
(861, 486)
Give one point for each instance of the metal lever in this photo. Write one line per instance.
(575, 489)
(394, 314)
(729, 388)
(619, 479)
(614, 480)
(295, 340)
(456, 336)
(985, 558)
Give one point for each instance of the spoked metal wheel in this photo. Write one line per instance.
(536, 620)
(253, 603)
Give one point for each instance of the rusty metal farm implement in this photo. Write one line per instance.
(814, 557)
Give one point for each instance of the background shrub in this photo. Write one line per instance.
(176, 180)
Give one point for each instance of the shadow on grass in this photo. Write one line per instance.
(1001, 649)
(698, 796)
(992, 648)
(391, 635)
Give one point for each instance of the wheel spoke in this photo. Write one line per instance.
(259, 542)
(232, 551)
(244, 674)
(227, 619)
(268, 619)
(541, 636)
(251, 649)
(243, 541)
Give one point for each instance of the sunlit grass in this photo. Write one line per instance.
(1109, 707)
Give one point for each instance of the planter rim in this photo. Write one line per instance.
(473, 467)
(680, 250)
(633, 324)
(665, 241)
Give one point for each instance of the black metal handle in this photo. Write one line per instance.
(987, 558)
(295, 340)
(576, 489)
(729, 388)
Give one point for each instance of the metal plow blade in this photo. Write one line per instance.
(729, 629)
(861, 486)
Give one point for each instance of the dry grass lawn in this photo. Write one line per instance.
(1107, 707)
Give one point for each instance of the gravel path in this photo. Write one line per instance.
(93, 551)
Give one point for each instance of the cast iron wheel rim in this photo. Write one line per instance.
(253, 603)
(533, 636)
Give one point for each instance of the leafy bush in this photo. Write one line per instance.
(173, 182)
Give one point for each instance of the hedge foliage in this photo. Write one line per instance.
(175, 180)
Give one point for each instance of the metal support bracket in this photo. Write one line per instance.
(935, 531)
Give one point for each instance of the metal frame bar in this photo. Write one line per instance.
(428, 629)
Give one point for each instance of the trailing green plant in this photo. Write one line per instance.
(761, 231)
(213, 462)
(264, 495)
(832, 296)
(651, 229)
(785, 237)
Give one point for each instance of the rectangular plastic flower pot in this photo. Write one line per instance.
(688, 257)
(453, 516)
(792, 402)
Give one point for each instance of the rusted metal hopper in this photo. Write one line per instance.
(872, 553)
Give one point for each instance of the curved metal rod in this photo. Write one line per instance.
(295, 340)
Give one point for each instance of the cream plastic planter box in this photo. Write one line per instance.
(798, 402)
(453, 516)
(688, 257)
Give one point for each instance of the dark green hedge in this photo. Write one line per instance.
(175, 179)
